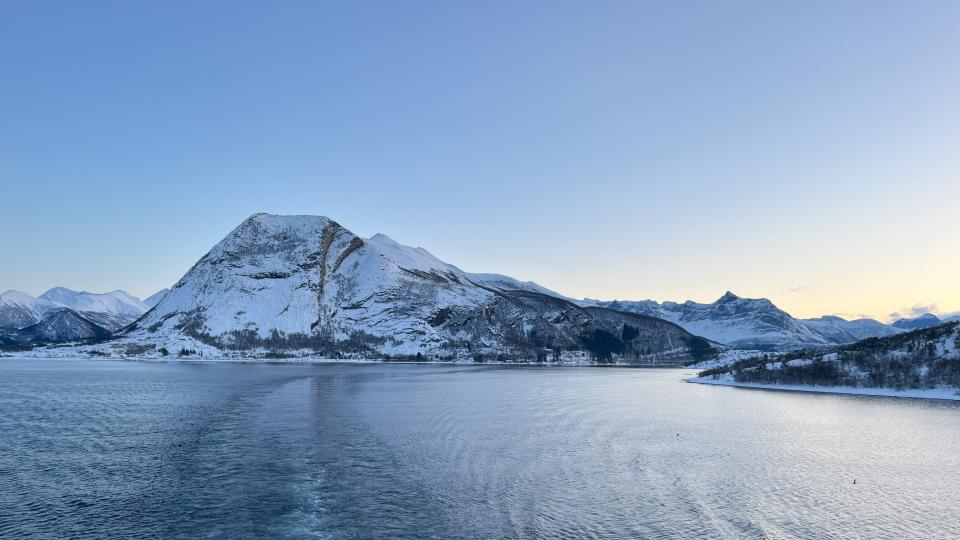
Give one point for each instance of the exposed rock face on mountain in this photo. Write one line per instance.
(924, 321)
(747, 323)
(306, 285)
(61, 315)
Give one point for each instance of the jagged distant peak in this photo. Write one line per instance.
(380, 237)
(728, 297)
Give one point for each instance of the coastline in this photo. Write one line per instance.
(942, 394)
(305, 360)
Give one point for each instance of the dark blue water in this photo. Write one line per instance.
(101, 449)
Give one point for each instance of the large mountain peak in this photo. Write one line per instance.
(307, 284)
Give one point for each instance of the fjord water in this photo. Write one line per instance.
(103, 449)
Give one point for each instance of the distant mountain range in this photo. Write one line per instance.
(61, 315)
(304, 285)
(924, 321)
(748, 323)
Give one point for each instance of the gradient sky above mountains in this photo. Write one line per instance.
(806, 152)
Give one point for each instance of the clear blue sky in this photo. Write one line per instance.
(808, 152)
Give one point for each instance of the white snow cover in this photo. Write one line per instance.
(500, 281)
(155, 298)
(254, 280)
(110, 311)
(844, 331)
(19, 309)
(115, 302)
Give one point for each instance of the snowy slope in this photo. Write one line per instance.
(112, 310)
(155, 298)
(926, 359)
(19, 309)
(306, 283)
(840, 330)
(924, 321)
(117, 302)
(63, 324)
(507, 283)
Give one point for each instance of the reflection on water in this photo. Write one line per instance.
(93, 449)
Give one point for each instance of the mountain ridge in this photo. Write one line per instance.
(753, 323)
(61, 315)
(307, 285)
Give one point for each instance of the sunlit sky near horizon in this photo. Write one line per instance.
(807, 152)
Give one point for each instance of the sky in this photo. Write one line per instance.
(806, 152)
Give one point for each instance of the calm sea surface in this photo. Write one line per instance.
(102, 449)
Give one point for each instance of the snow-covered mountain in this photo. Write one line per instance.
(840, 330)
(923, 321)
(61, 314)
(305, 284)
(62, 324)
(112, 310)
(19, 309)
(155, 298)
(753, 323)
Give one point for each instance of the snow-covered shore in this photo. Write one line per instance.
(952, 394)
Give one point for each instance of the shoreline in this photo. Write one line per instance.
(324, 361)
(939, 394)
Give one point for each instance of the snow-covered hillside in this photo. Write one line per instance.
(840, 330)
(753, 323)
(923, 321)
(155, 298)
(927, 359)
(112, 310)
(305, 284)
(62, 324)
(61, 314)
(19, 309)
